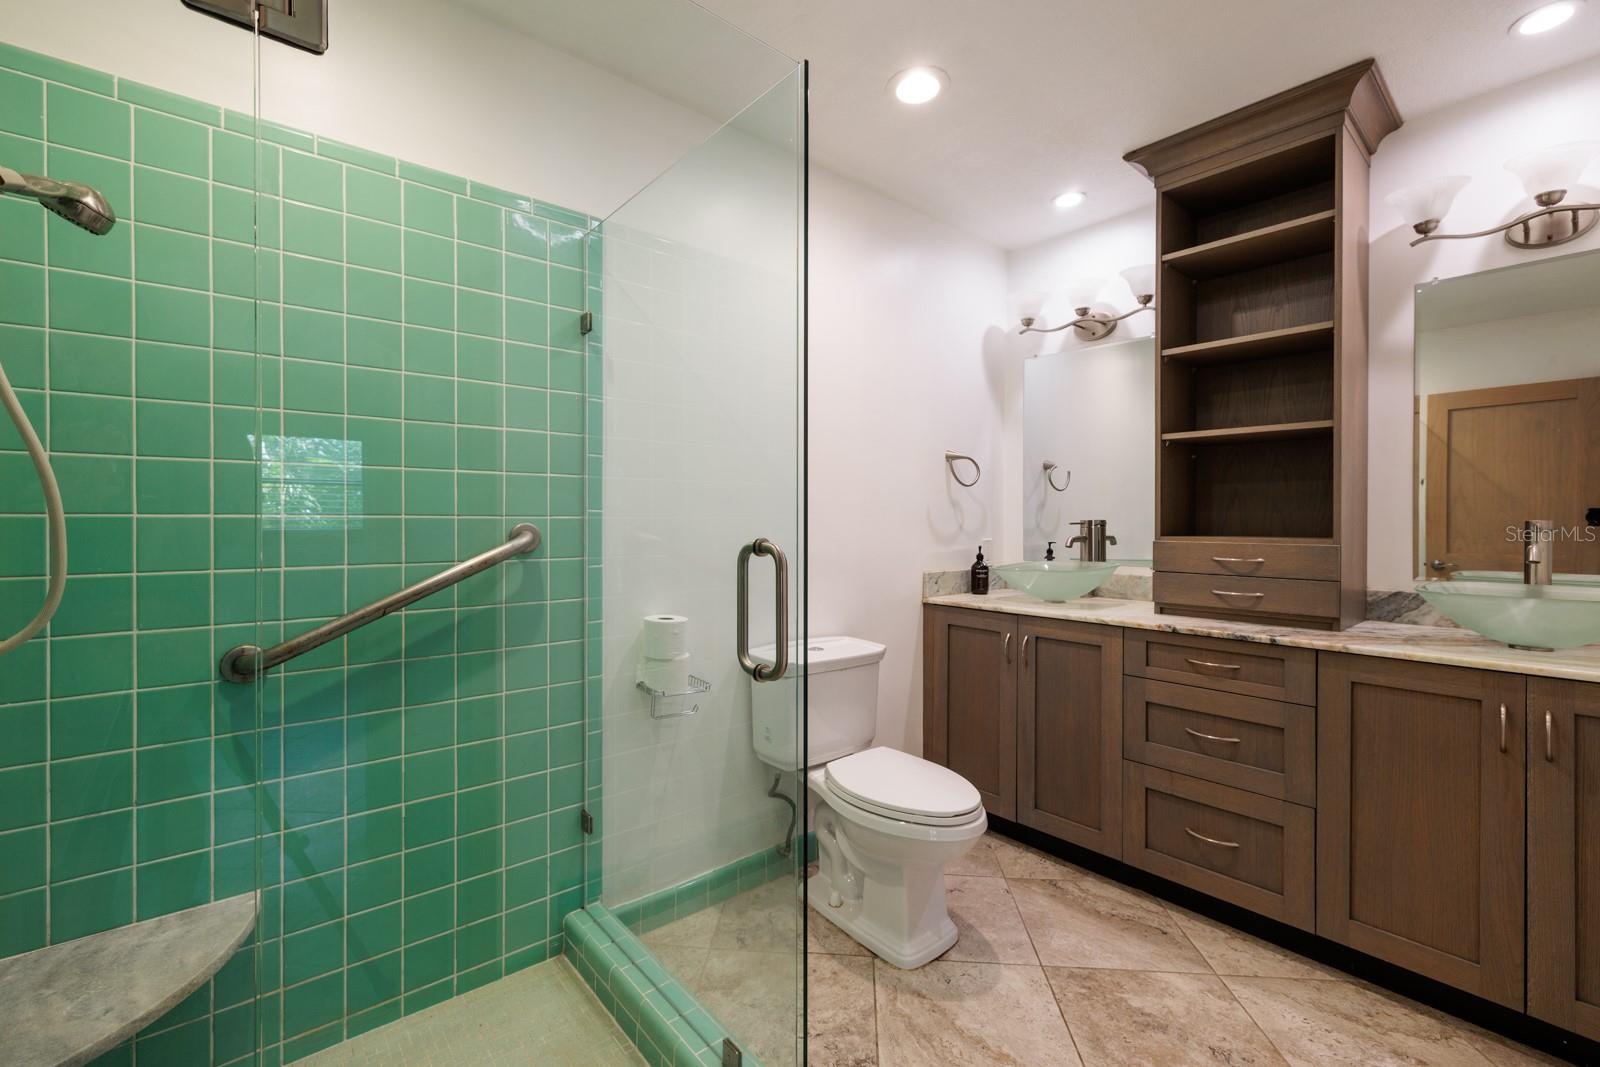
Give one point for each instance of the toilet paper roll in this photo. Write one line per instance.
(665, 675)
(665, 636)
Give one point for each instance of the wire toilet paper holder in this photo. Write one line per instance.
(697, 686)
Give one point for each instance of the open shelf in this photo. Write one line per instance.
(1262, 345)
(1303, 236)
(1237, 434)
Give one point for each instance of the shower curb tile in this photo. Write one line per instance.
(664, 1021)
(169, 103)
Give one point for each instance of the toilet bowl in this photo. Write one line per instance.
(880, 867)
(886, 822)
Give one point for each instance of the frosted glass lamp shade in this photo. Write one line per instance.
(1551, 169)
(1141, 279)
(1027, 305)
(1081, 292)
(1426, 203)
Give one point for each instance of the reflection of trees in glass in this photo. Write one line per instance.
(310, 483)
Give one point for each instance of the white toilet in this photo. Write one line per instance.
(886, 822)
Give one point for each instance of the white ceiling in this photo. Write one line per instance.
(1047, 95)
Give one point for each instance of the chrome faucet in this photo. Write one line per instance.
(1538, 551)
(1091, 540)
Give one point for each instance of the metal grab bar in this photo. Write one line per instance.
(763, 672)
(244, 663)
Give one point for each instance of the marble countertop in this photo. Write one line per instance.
(1422, 644)
(64, 1005)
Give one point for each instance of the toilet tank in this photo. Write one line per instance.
(842, 695)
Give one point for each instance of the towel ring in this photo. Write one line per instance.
(1050, 476)
(950, 459)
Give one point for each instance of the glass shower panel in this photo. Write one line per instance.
(703, 533)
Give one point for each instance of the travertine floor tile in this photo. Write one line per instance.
(1231, 951)
(694, 930)
(988, 926)
(1084, 921)
(824, 937)
(1019, 861)
(981, 861)
(842, 1018)
(1341, 1024)
(756, 996)
(969, 1015)
(764, 919)
(1137, 1018)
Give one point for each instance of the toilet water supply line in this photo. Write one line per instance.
(54, 514)
(786, 846)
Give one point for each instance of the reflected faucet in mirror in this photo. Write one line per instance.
(1538, 548)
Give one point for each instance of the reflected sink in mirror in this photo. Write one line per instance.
(1057, 581)
(1541, 618)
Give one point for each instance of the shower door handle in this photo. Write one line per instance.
(763, 672)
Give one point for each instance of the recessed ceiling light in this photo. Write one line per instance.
(918, 85)
(1546, 18)
(1070, 199)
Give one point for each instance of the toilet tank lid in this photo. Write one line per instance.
(823, 654)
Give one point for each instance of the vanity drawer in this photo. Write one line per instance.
(1268, 671)
(1263, 746)
(1249, 559)
(1243, 597)
(1251, 850)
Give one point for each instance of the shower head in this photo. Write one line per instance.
(82, 205)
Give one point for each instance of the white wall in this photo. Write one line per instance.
(906, 362)
(429, 82)
(1475, 138)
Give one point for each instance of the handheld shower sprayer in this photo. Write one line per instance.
(82, 206)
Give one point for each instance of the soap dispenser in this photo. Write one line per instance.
(980, 575)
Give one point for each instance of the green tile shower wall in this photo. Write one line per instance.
(420, 781)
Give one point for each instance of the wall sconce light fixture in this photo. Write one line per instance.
(1092, 325)
(1546, 175)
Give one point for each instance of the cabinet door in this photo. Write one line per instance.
(1069, 720)
(970, 701)
(1564, 854)
(1420, 819)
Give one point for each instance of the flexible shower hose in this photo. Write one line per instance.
(54, 516)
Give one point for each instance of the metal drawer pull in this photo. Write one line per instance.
(1213, 737)
(1549, 738)
(1210, 840)
(1502, 727)
(1008, 648)
(1236, 559)
(1224, 592)
(1025, 639)
(1205, 664)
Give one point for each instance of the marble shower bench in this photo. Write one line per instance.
(64, 1005)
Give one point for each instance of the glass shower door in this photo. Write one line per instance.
(698, 438)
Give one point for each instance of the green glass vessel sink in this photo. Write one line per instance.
(1059, 580)
(1538, 617)
(1515, 577)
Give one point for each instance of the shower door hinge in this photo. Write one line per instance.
(302, 23)
(586, 821)
(732, 1056)
(586, 323)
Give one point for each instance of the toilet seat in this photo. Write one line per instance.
(897, 785)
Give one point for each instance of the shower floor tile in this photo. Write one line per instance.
(544, 1015)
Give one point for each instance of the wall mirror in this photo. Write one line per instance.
(1508, 417)
(1089, 447)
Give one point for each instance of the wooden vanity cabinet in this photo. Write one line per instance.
(1030, 712)
(1421, 808)
(970, 700)
(1564, 854)
(1069, 741)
